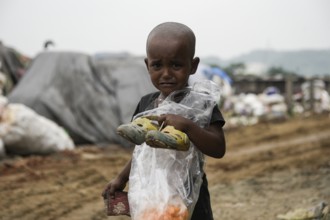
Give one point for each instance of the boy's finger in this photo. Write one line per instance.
(112, 192)
(161, 118)
(104, 192)
(151, 117)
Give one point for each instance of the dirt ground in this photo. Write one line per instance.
(269, 169)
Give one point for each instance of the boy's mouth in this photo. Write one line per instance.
(167, 84)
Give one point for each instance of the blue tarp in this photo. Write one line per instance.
(210, 72)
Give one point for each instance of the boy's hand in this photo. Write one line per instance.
(213, 135)
(117, 184)
(177, 121)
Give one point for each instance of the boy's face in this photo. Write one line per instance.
(169, 63)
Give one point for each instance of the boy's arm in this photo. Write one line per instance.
(210, 141)
(119, 182)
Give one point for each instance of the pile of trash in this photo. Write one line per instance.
(248, 109)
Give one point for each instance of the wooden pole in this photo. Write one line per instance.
(288, 93)
(311, 97)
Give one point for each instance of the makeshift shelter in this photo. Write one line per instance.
(13, 65)
(130, 79)
(88, 96)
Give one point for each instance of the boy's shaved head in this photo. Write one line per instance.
(174, 30)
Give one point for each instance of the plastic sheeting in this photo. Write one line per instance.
(89, 97)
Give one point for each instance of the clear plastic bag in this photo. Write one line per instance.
(164, 184)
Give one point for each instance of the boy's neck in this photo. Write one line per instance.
(160, 99)
(176, 98)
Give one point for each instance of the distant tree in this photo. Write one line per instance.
(234, 69)
(273, 71)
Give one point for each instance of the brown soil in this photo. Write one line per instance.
(269, 169)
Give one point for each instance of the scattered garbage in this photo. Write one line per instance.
(318, 212)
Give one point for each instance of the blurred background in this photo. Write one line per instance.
(79, 66)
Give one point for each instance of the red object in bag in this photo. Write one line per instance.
(118, 205)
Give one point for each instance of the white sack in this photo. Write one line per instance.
(25, 132)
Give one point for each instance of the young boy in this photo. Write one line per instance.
(170, 61)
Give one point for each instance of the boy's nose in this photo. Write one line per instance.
(167, 72)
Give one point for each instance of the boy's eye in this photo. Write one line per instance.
(155, 66)
(176, 66)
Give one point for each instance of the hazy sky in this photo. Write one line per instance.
(224, 28)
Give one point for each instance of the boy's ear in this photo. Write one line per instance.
(194, 65)
(146, 62)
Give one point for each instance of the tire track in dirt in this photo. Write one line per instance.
(278, 145)
(278, 154)
(50, 202)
